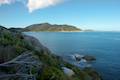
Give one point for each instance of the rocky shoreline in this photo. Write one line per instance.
(36, 62)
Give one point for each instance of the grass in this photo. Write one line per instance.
(12, 45)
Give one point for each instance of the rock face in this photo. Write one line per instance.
(20, 67)
(36, 44)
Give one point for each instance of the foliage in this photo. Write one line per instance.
(53, 63)
(52, 73)
(12, 45)
(49, 59)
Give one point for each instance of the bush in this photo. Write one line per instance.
(52, 73)
(12, 45)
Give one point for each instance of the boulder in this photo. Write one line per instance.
(68, 71)
(89, 58)
(78, 57)
(84, 58)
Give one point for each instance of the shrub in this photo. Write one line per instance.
(52, 73)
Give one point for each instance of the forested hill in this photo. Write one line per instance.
(51, 28)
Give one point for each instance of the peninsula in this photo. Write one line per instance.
(46, 27)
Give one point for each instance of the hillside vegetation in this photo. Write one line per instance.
(51, 28)
(12, 44)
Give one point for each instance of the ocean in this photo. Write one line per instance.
(104, 46)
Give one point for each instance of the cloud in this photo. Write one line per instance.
(40, 4)
(5, 1)
(33, 5)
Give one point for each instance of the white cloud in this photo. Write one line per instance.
(40, 4)
(5, 2)
(33, 5)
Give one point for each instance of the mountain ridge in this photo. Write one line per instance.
(51, 27)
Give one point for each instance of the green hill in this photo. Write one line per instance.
(51, 28)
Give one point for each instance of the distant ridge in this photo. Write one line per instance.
(51, 28)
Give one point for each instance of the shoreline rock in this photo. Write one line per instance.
(89, 58)
(68, 72)
(84, 58)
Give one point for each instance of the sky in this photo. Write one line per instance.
(85, 14)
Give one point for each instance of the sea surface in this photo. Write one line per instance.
(105, 46)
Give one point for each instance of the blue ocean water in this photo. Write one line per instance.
(105, 46)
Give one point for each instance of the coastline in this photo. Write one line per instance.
(62, 31)
(91, 70)
(41, 63)
(53, 31)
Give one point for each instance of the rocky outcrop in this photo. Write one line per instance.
(35, 44)
(89, 58)
(20, 68)
(85, 58)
